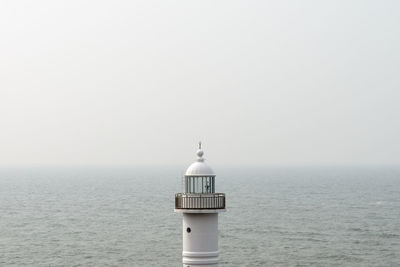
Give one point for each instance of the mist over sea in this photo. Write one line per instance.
(296, 216)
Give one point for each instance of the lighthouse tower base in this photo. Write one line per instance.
(200, 239)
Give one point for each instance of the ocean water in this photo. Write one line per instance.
(325, 216)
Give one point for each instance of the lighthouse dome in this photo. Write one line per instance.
(199, 167)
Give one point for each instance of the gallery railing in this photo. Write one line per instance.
(200, 201)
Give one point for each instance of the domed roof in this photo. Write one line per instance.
(199, 167)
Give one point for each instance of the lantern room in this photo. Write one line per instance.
(199, 177)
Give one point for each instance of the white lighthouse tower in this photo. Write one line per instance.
(200, 206)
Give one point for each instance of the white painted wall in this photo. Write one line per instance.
(200, 246)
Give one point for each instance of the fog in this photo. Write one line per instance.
(141, 82)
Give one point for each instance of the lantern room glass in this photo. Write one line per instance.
(200, 184)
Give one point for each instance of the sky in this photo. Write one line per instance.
(141, 82)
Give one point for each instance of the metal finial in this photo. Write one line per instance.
(200, 145)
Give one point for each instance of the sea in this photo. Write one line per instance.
(124, 216)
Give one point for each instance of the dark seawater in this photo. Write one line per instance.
(276, 217)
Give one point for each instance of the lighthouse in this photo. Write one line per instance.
(199, 205)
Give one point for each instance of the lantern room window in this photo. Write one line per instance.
(200, 184)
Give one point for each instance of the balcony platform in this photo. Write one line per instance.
(199, 203)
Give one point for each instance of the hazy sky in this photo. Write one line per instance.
(141, 82)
